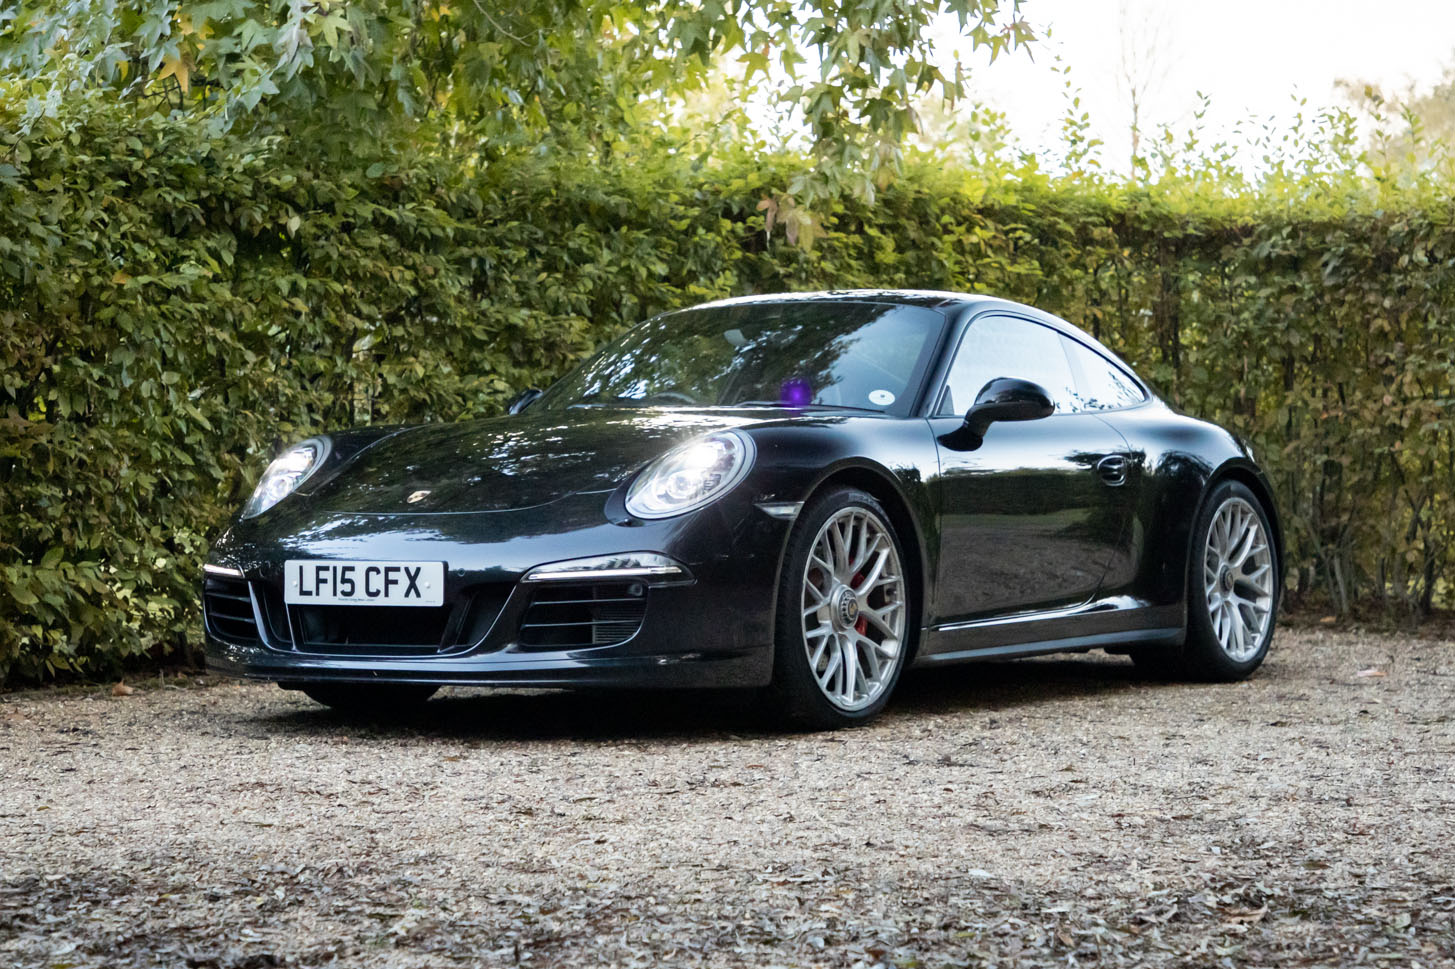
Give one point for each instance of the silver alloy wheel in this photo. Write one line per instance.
(853, 608)
(1238, 579)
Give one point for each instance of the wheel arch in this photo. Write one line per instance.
(1248, 475)
(1190, 659)
(1171, 513)
(880, 484)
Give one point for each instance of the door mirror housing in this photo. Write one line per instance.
(1001, 399)
(524, 399)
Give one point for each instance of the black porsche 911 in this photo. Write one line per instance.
(804, 494)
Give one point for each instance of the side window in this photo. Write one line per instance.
(1100, 384)
(1003, 346)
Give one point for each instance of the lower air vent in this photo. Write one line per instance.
(577, 616)
(481, 610)
(370, 629)
(275, 614)
(385, 630)
(228, 609)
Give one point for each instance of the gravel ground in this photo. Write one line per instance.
(1055, 811)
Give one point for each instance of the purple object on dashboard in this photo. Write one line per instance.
(795, 392)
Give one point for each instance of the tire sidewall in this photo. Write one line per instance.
(1203, 647)
(795, 688)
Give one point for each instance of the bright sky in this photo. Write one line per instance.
(1252, 57)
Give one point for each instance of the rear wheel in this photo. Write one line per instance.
(1232, 592)
(382, 700)
(843, 625)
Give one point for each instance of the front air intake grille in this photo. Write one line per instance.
(370, 630)
(228, 609)
(383, 630)
(577, 616)
(481, 608)
(275, 614)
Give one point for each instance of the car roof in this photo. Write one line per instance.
(935, 299)
(908, 297)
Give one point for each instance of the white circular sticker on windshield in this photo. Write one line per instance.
(881, 397)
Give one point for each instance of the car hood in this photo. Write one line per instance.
(507, 463)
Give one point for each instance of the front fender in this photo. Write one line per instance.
(890, 459)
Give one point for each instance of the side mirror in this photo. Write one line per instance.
(1002, 399)
(524, 399)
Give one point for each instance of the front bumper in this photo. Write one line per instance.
(687, 637)
(667, 671)
(496, 628)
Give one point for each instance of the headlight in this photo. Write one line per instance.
(289, 470)
(690, 475)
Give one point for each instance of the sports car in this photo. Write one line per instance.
(800, 494)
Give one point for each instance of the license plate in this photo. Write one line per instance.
(314, 582)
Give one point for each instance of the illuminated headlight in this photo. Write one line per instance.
(289, 470)
(690, 475)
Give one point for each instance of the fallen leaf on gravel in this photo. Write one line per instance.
(1371, 672)
(121, 689)
(1245, 914)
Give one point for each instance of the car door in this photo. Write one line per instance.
(1030, 518)
(1105, 387)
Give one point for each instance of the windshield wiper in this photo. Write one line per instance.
(650, 400)
(781, 405)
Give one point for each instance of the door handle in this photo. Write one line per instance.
(1113, 469)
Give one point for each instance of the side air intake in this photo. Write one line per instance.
(572, 616)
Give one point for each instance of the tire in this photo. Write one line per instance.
(1233, 592)
(374, 700)
(844, 675)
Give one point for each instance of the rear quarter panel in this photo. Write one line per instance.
(1177, 458)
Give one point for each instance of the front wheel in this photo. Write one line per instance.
(1232, 592)
(843, 626)
(381, 700)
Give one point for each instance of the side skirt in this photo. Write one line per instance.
(1168, 636)
(1107, 624)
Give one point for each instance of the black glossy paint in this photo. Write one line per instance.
(1026, 520)
(1068, 531)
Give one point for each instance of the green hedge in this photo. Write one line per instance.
(174, 308)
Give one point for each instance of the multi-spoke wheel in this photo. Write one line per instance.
(843, 612)
(1232, 593)
(1238, 580)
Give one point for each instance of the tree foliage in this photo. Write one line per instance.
(1413, 128)
(477, 77)
(176, 304)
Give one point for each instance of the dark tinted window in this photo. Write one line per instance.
(1003, 346)
(1101, 384)
(869, 356)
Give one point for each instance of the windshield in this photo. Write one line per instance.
(840, 354)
